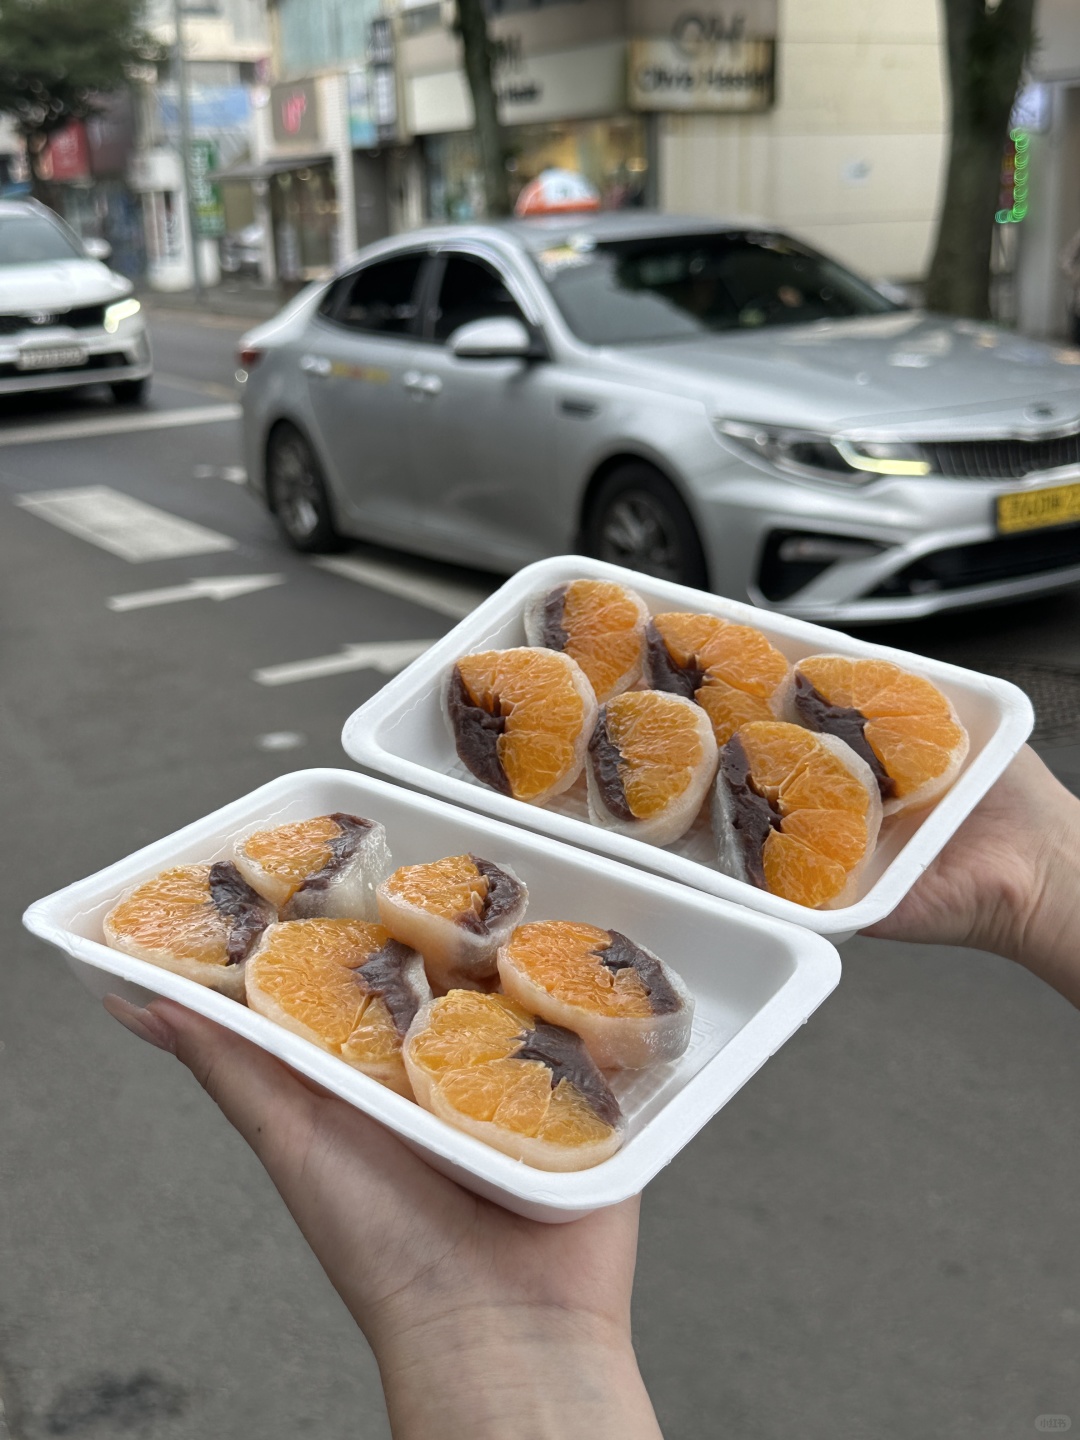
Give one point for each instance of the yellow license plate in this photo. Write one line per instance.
(1035, 509)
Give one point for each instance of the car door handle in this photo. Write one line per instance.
(317, 366)
(421, 384)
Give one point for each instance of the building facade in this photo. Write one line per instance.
(826, 116)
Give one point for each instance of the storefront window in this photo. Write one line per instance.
(611, 154)
(304, 209)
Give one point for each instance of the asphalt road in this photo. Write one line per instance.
(876, 1238)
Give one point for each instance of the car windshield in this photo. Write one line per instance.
(30, 239)
(677, 287)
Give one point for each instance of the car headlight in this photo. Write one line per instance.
(122, 310)
(827, 457)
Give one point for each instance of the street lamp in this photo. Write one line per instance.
(185, 147)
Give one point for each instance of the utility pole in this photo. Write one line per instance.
(185, 147)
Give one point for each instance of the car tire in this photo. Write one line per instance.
(130, 392)
(297, 493)
(638, 519)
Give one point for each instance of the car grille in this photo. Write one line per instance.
(1009, 557)
(83, 317)
(1001, 459)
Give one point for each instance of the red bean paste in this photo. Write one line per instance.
(606, 759)
(503, 898)
(249, 914)
(846, 723)
(565, 1055)
(553, 634)
(752, 815)
(384, 975)
(622, 953)
(665, 672)
(351, 833)
(476, 735)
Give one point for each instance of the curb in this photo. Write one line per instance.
(260, 305)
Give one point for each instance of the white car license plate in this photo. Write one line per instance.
(56, 357)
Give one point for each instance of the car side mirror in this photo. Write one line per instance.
(97, 249)
(501, 338)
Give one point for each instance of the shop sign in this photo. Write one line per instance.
(693, 71)
(205, 195)
(294, 108)
(66, 155)
(212, 109)
(362, 133)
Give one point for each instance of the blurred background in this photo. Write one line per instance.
(877, 1237)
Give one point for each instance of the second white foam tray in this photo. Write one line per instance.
(402, 732)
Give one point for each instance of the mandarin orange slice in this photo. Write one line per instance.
(599, 624)
(346, 986)
(795, 813)
(488, 1067)
(732, 671)
(456, 912)
(901, 724)
(624, 1002)
(327, 866)
(200, 921)
(652, 758)
(521, 720)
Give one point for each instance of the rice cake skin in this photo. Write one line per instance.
(611, 773)
(327, 867)
(565, 618)
(365, 988)
(568, 1089)
(887, 697)
(528, 682)
(639, 1011)
(456, 912)
(742, 817)
(199, 921)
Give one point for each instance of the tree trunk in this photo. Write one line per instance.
(479, 57)
(986, 49)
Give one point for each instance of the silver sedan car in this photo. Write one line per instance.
(713, 403)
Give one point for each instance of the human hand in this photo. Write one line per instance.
(483, 1323)
(1008, 881)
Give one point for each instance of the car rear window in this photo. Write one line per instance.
(677, 287)
(31, 239)
(380, 299)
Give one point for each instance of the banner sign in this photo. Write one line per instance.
(205, 195)
(710, 74)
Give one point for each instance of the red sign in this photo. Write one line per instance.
(66, 155)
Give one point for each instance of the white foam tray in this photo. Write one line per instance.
(755, 980)
(402, 732)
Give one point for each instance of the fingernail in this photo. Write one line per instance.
(143, 1023)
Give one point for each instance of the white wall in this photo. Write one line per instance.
(850, 156)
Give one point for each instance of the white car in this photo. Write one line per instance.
(66, 319)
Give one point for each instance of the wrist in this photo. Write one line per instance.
(530, 1371)
(1045, 935)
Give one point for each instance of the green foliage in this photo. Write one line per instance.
(59, 57)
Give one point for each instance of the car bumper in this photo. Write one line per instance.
(927, 545)
(107, 358)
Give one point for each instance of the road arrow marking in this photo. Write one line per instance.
(211, 587)
(386, 656)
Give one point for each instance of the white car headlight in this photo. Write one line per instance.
(122, 310)
(827, 457)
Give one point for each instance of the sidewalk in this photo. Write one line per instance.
(246, 302)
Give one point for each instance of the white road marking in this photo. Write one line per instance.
(234, 474)
(446, 597)
(118, 424)
(123, 525)
(281, 740)
(210, 587)
(386, 656)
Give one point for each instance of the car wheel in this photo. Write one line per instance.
(637, 519)
(130, 392)
(297, 492)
